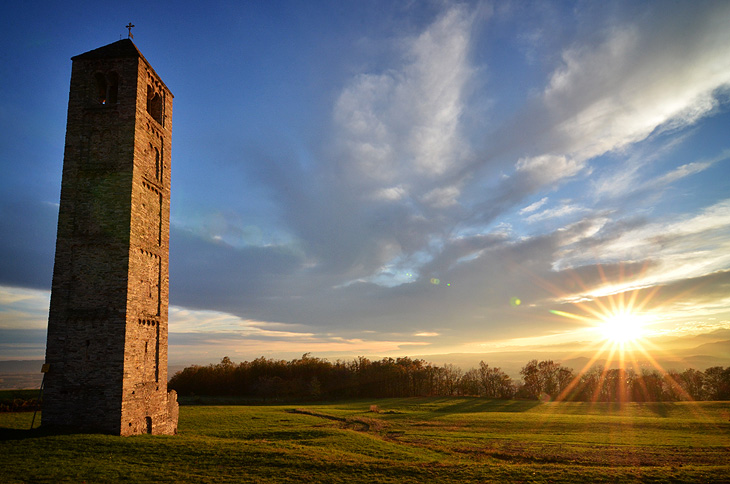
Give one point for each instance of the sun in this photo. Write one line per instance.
(622, 328)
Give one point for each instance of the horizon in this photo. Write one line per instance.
(400, 179)
(676, 355)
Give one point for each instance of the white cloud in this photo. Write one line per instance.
(632, 175)
(184, 320)
(563, 210)
(534, 206)
(622, 180)
(434, 87)
(391, 194)
(369, 141)
(640, 79)
(22, 308)
(202, 336)
(692, 246)
(406, 121)
(683, 171)
(548, 169)
(402, 176)
(689, 169)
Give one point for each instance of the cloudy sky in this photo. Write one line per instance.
(398, 178)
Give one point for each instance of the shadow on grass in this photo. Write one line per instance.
(478, 405)
(23, 434)
(661, 409)
(279, 436)
(23, 425)
(203, 400)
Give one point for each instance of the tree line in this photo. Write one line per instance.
(315, 378)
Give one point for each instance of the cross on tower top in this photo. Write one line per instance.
(129, 27)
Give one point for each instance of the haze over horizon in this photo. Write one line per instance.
(402, 178)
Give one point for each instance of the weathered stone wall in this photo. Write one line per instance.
(107, 329)
(145, 367)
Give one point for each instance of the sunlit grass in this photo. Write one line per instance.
(457, 440)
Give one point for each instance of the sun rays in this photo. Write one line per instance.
(617, 320)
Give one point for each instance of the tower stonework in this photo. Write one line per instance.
(106, 351)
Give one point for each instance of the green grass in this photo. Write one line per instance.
(439, 440)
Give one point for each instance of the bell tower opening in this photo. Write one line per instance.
(106, 87)
(154, 104)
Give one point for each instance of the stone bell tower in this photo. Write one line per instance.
(106, 353)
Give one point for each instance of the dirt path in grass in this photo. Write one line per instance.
(572, 453)
(359, 424)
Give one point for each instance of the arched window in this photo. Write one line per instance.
(100, 87)
(107, 88)
(112, 87)
(154, 104)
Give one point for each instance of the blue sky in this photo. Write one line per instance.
(398, 178)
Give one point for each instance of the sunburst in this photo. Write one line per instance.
(623, 328)
(619, 317)
(619, 322)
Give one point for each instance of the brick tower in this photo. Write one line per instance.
(106, 352)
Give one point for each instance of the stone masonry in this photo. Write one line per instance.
(107, 327)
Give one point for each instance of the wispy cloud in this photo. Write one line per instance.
(534, 206)
(23, 308)
(692, 246)
(690, 169)
(455, 159)
(405, 122)
(633, 175)
(638, 80)
(194, 333)
(406, 194)
(563, 210)
(185, 320)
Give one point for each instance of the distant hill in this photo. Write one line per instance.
(26, 374)
(20, 374)
(720, 349)
(706, 350)
(700, 357)
(719, 335)
(20, 366)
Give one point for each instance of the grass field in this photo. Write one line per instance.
(434, 440)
